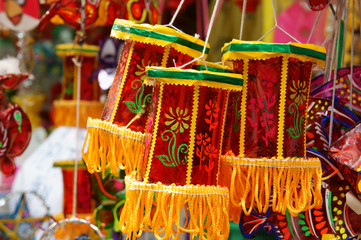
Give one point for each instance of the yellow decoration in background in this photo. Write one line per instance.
(31, 104)
(65, 112)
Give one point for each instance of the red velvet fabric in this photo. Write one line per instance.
(135, 96)
(83, 191)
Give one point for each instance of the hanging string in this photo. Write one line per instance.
(336, 42)
(352, 52)
(170, 24)
(314, 26)
(331, 48)
(78, 63)
(242, 19)
(276, 25)
(207, 38)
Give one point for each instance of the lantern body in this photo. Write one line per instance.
(117, 140)
(84, 202)
(64, 109)
(269, 147)
(182, 156)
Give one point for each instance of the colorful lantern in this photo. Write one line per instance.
(117, 140)
(69, 12)
(83, 198)
(268, 156)
(343, 88)
(15, 128)
(317, 5)
(64, 113)
(19, 15)
(182, 157)
(347, 151)
(318, 123)
(23, 214)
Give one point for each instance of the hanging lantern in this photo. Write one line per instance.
(268, 156)
(182, 157)
(64, 112)
(117, 140)
(84, 205)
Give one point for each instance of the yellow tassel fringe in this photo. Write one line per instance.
(65, 112)
(290, 183)
(157, 208)
(111, 146)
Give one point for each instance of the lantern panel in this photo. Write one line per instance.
(298, 85)
(263, 97)
(208, 135)
(169, 162)
(112, 98)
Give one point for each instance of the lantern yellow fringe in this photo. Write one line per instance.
(65, 112)
(290, 183)
(157, 208)
(225, 173)
(109, 145)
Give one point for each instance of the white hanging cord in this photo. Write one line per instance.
(336, 41)
(328, 38)
(314, 26)
(352, 52)
(242, 21)
(78, 63)
(331, 48)
(207, 38)
(170, 24)
(276, 25)
(147, 5)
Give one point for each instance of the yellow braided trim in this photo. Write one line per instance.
(243, 107)
(281, 112)
(222, 135)
(65, 112)
(125, 75)
(293, 183)
(155, 132)
(111, 146)
(165, 56)
(306, 118)
(158, 207)
(158, 29)
(192, 134)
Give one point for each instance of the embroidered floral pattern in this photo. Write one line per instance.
(178, 119)
(266, 119)
(202, 139)
(298, 122)
(298, 91)
(141, 70)
(138, 106)
(212, 111)
(256, 105)
(211, 151)
(176, 155)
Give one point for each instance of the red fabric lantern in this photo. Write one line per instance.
(117, 140)
(268, 153)
(83, 198)
(181, 164)
(64, 109)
